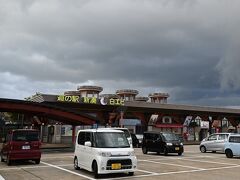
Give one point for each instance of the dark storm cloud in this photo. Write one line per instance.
(188, 48)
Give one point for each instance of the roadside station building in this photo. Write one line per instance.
(124, 108)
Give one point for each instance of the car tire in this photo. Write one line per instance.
(37, 161)
(131, 173)
(9, 162)
(95, 170)
(165, 151)
(75, 162)
(229, 153)
(180, 153)
(144, 150)
(1, 156)
(203, 149)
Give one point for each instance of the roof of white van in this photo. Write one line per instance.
(101, 130)
(235, 134)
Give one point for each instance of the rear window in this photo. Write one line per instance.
(25, 136)
(234, 139)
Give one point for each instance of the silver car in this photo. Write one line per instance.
(214, 142)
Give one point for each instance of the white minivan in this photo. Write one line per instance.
(104, 151)
(232, 146)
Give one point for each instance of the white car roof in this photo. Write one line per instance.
(234, 135)
(100, 130)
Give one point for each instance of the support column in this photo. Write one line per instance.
(73, 134)
(121, 119)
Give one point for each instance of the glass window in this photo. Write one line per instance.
(234, 139)
(81, 138)
(87, 136)
(170, 137)
(126, 132)
(25, 136)
(111, 140)
(222, 137)
(212, 138)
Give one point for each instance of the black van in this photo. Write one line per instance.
(161, 142)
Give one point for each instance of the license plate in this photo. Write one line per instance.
(25, 147)
(177, 148)
(116, 166)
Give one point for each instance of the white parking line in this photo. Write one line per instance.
(32, 167)
(190, 159)
(57, 157)
(213, 162)
(177, 172)
(149, 172)
(172, 164)
(178, 157)
(72, 172)
(1, 178)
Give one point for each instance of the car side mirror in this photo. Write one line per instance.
(88, 143)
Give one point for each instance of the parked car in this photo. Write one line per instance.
(214, 142)
(232, 146)
(161, 142)
(135, 141)
(104, 151)
(21, 144)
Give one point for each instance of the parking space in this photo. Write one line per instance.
(192, 164)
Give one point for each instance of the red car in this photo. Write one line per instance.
(21, 144)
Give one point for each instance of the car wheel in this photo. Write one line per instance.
(165, 152)
(131, 173)
(229, 153)
(37, 161)
(95, 170)
(180, 153)
(76, 164)
(9, 162)
(2, 160)
(203, 149)
(144, 150)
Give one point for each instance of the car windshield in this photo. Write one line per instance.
(170, 137)
(126, 132)
(25, 136)
(111, 140)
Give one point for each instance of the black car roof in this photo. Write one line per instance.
(157, 132)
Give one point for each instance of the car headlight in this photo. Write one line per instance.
(169, 144)
(105, 154)
(181, 144)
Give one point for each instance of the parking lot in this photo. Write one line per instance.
(57, 165)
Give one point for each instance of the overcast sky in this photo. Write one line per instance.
(187, 48)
